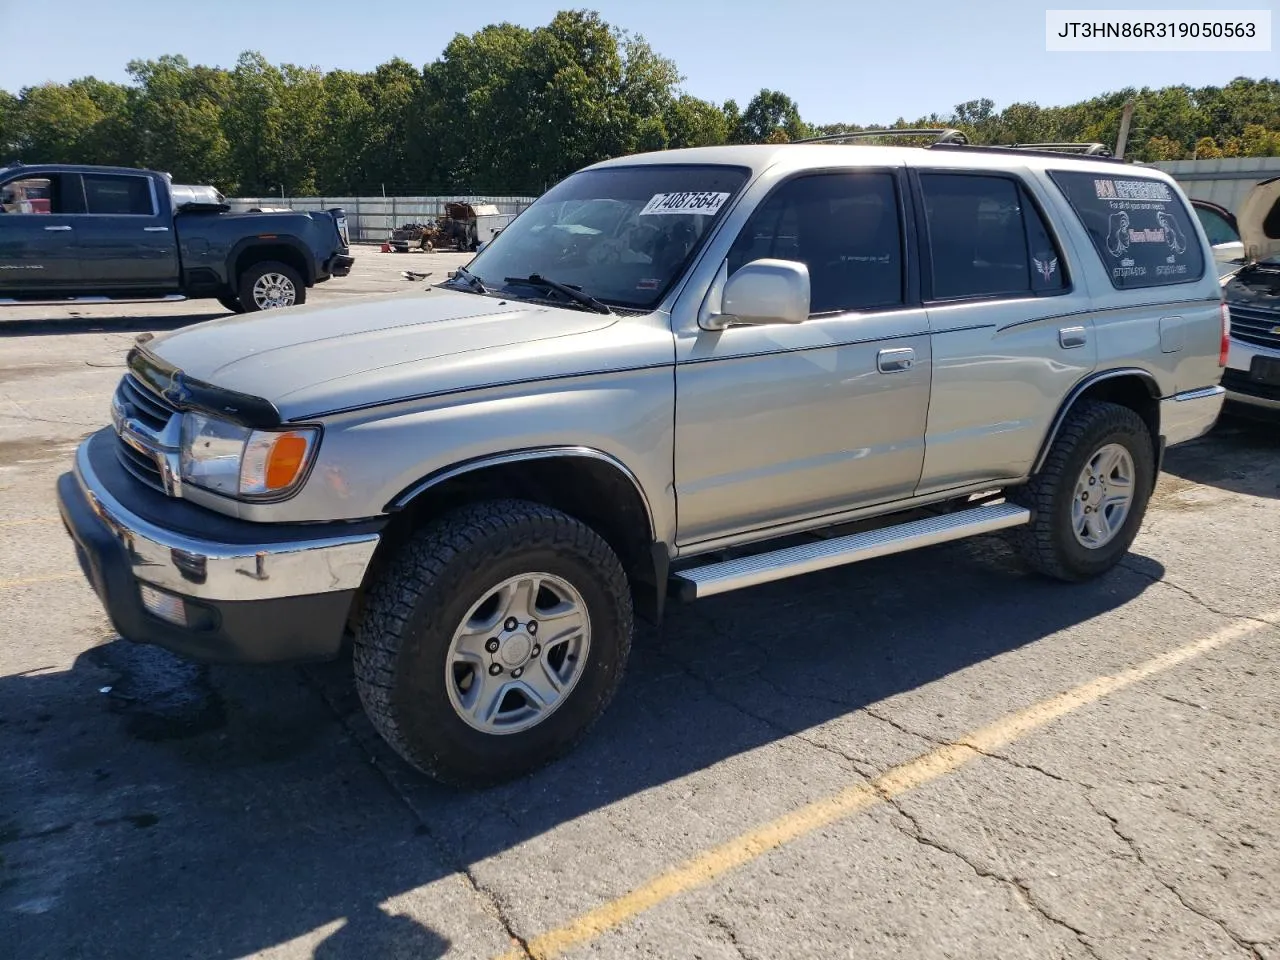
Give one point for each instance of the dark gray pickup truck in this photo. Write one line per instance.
(96, 234)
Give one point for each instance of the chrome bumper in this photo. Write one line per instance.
(1191, 414)
(210, 570)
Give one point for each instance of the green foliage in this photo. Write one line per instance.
(510, 109)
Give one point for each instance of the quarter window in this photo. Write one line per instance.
(30, 195)
(844, 227)
(986, 239)
(1140, 228)
(118, 194)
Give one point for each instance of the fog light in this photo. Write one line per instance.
(164, 605)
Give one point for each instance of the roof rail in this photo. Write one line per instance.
(941, 135)
(1094, 149)
(1043, 150)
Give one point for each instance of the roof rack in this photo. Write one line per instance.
(1094, 149)
(1043, 150)
(941, 135)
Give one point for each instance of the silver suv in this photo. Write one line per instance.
(675, 375)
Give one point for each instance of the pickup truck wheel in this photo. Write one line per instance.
(493, 641)
(232, 303)
(1089, 500)
(270, 285)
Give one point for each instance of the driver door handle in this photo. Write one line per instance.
(896, 360)
(51, 229)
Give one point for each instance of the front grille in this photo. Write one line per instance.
(147, 408)
(1251, 325)
(152, 413)
(142, 467)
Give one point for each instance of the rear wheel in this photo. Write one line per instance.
(493, 641)
(271, 285)
(1089, 500)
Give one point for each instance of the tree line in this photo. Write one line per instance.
(511, 110)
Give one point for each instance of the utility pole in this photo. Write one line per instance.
(1125, 118)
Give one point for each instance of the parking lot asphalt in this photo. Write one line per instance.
(929, 755)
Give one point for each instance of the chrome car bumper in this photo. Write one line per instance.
(206, 586)
(1191, 414)
(1245, 390)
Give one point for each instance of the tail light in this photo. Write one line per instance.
(1225, 346)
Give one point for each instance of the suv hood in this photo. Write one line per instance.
(314, 358)
(1259, 221)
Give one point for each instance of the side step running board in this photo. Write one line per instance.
(697, 582)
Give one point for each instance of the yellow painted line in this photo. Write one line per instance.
(708, 866)
(29, 520)
(49, 578)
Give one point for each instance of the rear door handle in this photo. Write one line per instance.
(895, 361)
(1071, 337)
(51, 229)
(156, 229)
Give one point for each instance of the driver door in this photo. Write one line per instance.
(787, 422)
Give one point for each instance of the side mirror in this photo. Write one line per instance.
(763, 292)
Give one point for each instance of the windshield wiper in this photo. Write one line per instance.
(573, 293)
(471, 279)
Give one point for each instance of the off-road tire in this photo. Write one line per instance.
(402, 640)
(1048, 544)
(232, 303)
(256, 270)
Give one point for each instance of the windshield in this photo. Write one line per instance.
(622, 235)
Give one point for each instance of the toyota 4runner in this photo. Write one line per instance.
(676, 374)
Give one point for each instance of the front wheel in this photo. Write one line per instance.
(1090, 498)
(493, 641)
(232, 303)
(271, 285)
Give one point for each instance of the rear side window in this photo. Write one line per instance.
(118, 194)
(987, 239)
(1140, 228)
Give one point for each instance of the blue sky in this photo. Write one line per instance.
(868, 61)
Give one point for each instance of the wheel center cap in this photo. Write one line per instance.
(516, 649)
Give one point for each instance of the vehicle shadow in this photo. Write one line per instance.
(271, 813)
(1239, 454)
(62, 326)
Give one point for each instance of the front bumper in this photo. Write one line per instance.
(1191, 414)
(1244, 390)
(209, 587)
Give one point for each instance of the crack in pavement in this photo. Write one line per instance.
(1194, 597)
(1248, 946)
(731, 935)
(1020, 890)
(1215, 711)
(488, 897)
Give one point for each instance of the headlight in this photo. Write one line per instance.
(238, 462)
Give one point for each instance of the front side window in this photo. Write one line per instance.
(622, 235)
(845, 227)
(1217, 227)
(986, 239)
(1140, 228)
(118, 194)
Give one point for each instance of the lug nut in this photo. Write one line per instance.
(511, 623)
(1092, 481)
(494, 669)
(536, 650)
(533, 627)
(516, 673)
(492, 645)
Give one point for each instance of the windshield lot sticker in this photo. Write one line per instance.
(704, 203)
